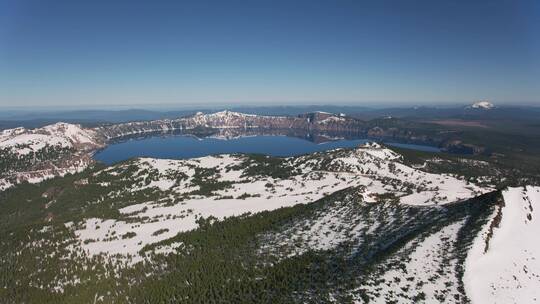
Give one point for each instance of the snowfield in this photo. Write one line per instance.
(508, 270)
(420, 273)
(374, 169)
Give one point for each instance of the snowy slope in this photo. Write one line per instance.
(508, 270)
(59, 134)
(38, 154)
(424, 268)
(373, 170)
(383, 165)
(366, 227)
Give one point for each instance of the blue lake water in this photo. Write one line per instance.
(179, 147)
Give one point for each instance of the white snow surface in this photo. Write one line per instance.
(372, 166)
(509, 272)
(420, 271)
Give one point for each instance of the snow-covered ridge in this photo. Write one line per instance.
(374, 170)
(506, 267)
(59, 134)
(234, 120)
(54, 150)
(227, 113)
(227, 119)
(218, 120)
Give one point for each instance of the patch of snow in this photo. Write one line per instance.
(331, 119)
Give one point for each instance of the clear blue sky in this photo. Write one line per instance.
(94, 53)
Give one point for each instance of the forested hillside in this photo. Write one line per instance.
(349, 225)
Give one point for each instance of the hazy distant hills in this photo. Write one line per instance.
(35, 119)
(85, 117)
(528, 113)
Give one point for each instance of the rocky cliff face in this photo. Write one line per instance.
(232, 120)
(318, 121)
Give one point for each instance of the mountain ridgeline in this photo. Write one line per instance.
(310, 122)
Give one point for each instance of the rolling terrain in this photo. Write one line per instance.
(356, 225)
(364, 225)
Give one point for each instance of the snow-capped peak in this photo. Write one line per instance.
(483, 104)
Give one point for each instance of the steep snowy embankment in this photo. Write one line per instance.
(506, 267)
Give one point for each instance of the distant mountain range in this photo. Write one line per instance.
(91, 118)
